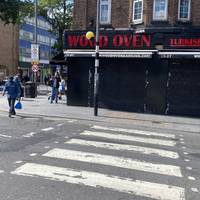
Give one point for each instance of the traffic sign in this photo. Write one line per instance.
(35, 68)
(35, 52)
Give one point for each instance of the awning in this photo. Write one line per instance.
(58, 59)
(110, 53)
(179, 54)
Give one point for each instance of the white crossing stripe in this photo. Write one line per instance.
(1, 171)
(125, 147)
(92, 179)
(139, 132)
(129, 138)
(114, 161)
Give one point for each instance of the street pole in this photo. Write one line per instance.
(96, 73)
(34, 77)
(35, 21)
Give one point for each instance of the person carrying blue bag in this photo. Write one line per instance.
(13, 92)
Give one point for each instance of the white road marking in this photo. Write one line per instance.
(30, 134)
(187, 160)
(191, 178)
(139, 132)
(56, 142)
(18, 161)
(189, 168)
(115, 161)
(129, 138)
(6, 136)
(125, 147)
(33, 154)
(182, 142)
(72, 121)
(194, 190)
(1, 171)
(60, 124)
(185, 153)
(47, 147)
(47, 129)
(181, 139)
(92, 179)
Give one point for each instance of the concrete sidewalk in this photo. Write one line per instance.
(41, 107)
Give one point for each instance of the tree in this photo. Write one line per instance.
(59, 14)
(13, 11)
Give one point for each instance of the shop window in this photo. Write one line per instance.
(160, 9)
(184, 10)
(137, 11)
(105, 11)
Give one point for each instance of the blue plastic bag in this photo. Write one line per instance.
(18, 105)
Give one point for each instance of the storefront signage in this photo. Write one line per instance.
(109, 54)
(108, 41)
(185, 42)
(128, 40)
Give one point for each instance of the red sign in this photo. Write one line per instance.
(109, 41)
(185, 42)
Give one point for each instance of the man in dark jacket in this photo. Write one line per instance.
(55, 82)
(13, 92)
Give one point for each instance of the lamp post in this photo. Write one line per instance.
(96, 72)
(35, 21)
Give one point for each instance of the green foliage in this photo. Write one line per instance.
(59, 14)
(13, 11)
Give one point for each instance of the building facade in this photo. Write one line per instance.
(149, 55)
(45, 39)
(9, 35)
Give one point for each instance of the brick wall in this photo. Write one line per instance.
(80, 14)
(121, 17)
(195, 14)
(9, 37)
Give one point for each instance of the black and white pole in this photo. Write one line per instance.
(36, 20)
(96, 72)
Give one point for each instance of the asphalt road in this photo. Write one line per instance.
(57, 159)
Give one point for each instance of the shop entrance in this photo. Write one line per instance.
(183, 93)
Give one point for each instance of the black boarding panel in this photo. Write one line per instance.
(77, 82)
(183, 94)
(122, 84)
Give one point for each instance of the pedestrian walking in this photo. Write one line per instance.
(17, 79)
(61, 88)
(54, 90)
(13, 92)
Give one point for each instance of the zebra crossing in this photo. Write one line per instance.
(141, 188)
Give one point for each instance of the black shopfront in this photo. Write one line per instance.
(145, 73)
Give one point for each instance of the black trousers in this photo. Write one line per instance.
(11, 103)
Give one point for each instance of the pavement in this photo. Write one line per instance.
(41, 107)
